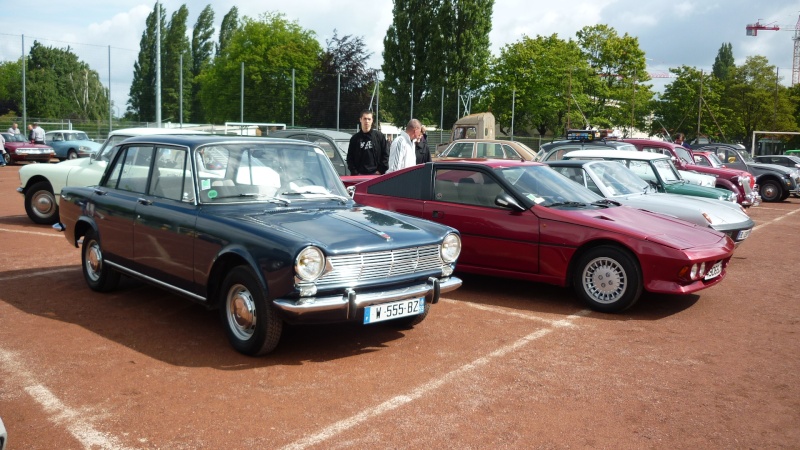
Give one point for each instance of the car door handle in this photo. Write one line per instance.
(438, 214)
(144, 201)
(99, 191)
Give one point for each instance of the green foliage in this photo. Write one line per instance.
(444, 43)
(270, 48)
(346, 56)
(724, 62)
(541, 90)
(11, 87)
(229, 25)
(176, 51)
(142, 98)
(202, 53)
(60, 85)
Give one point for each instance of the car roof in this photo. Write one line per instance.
(149, 131)
(492, 163)
(570, 162)
(196, 140)
(615, 154)
(64, 131)
(333, 134)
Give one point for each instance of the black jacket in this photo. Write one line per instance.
(368, 153)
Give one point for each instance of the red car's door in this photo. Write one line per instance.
(496, 240)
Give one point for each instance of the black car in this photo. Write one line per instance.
(775, 182)
(555, 151)
(334, 143)
(262, 229)
(781, 160)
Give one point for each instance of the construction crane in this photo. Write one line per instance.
(752, 30)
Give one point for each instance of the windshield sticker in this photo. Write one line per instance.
(205, 184)
(212, 194)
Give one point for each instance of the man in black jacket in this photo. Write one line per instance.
(368, 152)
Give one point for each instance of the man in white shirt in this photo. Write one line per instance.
(402, 154)
(38, 134)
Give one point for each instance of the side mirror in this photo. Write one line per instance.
(507, 201)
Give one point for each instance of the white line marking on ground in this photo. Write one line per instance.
(75, 421)
(507, 312)
(38, 233)
(400, 400)
(38, 274)
(775, 219)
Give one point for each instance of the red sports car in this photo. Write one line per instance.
(523, 220)
(19, 149)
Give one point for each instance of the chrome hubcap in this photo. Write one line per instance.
(94, 262)
(604, 280)
(43, 203)
(241, 312)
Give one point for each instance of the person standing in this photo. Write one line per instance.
(2, 151)
(679, 139)
(423, 154)
(38, 134)
(368, 152)
(403, 151)
(30, 133)
(13, 129)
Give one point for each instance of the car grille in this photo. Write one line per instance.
(364, 267)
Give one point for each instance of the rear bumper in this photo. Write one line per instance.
(350, 305)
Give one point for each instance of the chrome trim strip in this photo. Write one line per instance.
(154, 281)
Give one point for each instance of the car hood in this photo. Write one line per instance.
(639, 224)
(688, 208)
(345, 228)
(687, 188)
(772, 167)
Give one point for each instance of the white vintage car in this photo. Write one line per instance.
(41, 184)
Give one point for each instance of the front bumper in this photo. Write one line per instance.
(350, 305)
(752, 199)
(37, 157)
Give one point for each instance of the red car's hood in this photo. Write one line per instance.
(674, 233)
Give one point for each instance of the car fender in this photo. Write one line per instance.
(226, 259)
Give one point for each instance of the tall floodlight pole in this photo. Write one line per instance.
(241, 94)
(412, 99)
(338, 97)
(158, 64)
(292, 98)
(24, 99)
(441, 117)
(110, 105)
(513, 101)
(180, 92)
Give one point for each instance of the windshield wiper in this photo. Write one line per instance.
(573, 204)
(341, 199)
(606, 202)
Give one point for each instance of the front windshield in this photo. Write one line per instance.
(715, 162)
(76, 136)
(235, 172)
(544, 186)
(746, 156)
(109, 148)
(616, 179)
(666, 170)
(15, 138)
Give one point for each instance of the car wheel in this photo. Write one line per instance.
(608, 279)
(72, 154)
(770, 191)
(411, 321)
(99, 276)
(252, 325)
(40, 204)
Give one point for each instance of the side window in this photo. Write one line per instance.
(471, 133)
(131, 170)
(643, 170)
(700, 161)
(510, 153)
(171, 179)
(461, 150)
(465, 187)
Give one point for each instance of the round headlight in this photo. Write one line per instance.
(309, 264)
(451, 248)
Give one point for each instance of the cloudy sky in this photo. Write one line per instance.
(672, 34)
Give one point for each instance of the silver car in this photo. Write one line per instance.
(616, 182)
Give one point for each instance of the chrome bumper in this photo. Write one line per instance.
(346, 307)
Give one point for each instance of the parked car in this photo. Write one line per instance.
(614, 181)
(555, 151)
(19, 149)
(334, 143)
(262, 229)
(487, 148)
(71, 144)
(657, 170)
(41, 184)
(521, 219)
(776, 182)
(740, 182)
(790, 161)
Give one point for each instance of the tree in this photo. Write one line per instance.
(176, 51)
(345, 56)
(202, 53)
(141, 99)
(724, 62)
(542, 89)
(229, 25)
(60, 85)
(618, 65)
(270, 48)
(11, 87)
(680, 106)
(431, 45)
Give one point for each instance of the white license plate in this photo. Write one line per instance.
(716, 269)
(743, 234)
(394, 310)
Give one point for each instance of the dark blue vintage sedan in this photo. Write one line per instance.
(260, 228)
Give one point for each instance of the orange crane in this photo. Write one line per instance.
(752, 30)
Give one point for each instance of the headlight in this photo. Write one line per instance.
(451, 248)
(309, 264)
(83, 148)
